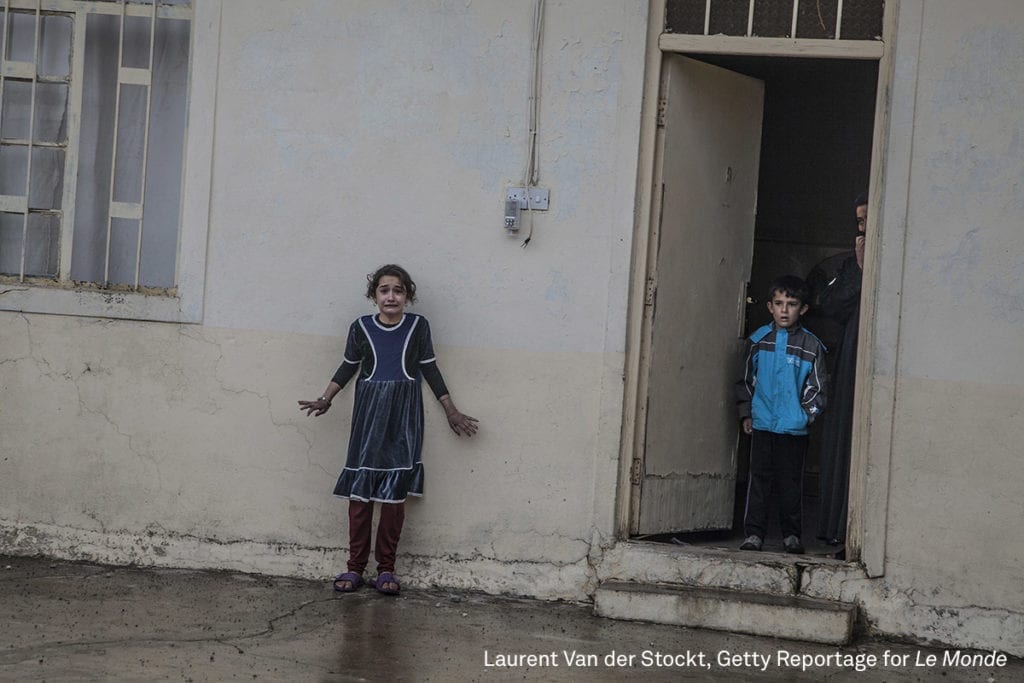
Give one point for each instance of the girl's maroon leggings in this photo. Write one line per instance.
(360, 529)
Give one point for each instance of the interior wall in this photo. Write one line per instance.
(815, 160)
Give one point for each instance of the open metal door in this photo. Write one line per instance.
(708, 156)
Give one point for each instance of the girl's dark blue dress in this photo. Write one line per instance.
(384, 451)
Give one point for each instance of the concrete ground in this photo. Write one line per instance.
(63, 621)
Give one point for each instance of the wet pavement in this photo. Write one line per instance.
(62, 621)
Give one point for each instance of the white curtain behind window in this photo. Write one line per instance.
(164, 164)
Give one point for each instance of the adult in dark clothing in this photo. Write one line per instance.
(840, 301)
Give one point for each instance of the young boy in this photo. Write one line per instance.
(781, 393)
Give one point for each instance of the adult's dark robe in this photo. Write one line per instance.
(839, 301)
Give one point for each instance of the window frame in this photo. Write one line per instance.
(184, 302)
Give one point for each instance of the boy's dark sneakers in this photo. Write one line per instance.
(753, 542)
(793, 545)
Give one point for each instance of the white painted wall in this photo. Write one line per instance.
(349, 135)
(954, 534)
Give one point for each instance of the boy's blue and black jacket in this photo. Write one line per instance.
(784, 380)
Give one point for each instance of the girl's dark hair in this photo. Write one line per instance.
(373, 279)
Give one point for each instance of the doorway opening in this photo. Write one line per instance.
(814, 140)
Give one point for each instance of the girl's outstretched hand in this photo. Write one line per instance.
(315, 408)
(462, 424)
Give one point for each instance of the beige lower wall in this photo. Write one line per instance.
(955, 507)
(172, 445)
(183, 445)
(902, 607)
(950, 517)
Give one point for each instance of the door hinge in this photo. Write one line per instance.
(635, 472)
(649, 289)
(742, 307)
(662, 108)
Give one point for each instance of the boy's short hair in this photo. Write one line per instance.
(791, 286)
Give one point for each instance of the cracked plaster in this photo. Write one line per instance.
(187, 448)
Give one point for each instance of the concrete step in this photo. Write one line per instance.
(764, 572)
(761, 614)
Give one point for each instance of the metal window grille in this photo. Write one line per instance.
(78, 82)
(811, 19)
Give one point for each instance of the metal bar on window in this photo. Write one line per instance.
(839, 19)
(31, 135)
(132, 76)
(3, 51)
(166, 11)
(131, 210)
(13, 69)
(707, 17)
(796, 10)
(75, 90)
(113, 158)
(13, 203)
(145, 143)
(750, 19)
(7, 203)
(19, 142)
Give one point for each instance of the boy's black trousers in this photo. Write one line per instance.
(776, 467)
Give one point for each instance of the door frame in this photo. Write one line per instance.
(866, 534)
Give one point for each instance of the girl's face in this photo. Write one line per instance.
(390, 297)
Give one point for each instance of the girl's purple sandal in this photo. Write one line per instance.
(354, 580)
(386, 578)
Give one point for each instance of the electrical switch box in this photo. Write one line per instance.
(538, 198)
